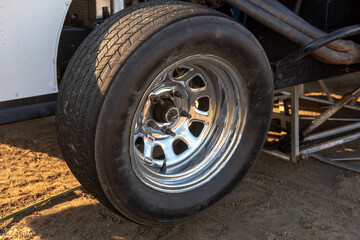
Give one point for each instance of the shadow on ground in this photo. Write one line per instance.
(277, 200)
(36, 135)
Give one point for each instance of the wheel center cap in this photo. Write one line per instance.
(165, 112)
(172, 114)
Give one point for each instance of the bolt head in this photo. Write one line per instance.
(148, 161)
(177, 94)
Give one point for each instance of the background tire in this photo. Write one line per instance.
(109, 76)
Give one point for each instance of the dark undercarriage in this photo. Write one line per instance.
(322, 16)
(276, 24)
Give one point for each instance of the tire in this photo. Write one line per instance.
(136, 83)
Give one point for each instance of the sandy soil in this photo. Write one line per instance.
(277, 200)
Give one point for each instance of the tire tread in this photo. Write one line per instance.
(89, 75)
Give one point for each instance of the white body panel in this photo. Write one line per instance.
(118, 5)
(29, 36)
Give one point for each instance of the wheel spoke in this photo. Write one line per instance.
(139, 131)
(196, 93)
(168, 151)
(190, 74)
(167, 78)
(138, 153)
(201, 116)
(148, 149)
(193, 94)
(189, 138)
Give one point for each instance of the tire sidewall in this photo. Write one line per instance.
(214, 35)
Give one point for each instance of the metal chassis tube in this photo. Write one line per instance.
(272, 14)
(348, 100)
(299, 136)
(327, 48)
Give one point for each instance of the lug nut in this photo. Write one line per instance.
(148, 161)
(164, 130)
(177, 94)
(157, 99)
(152, 124)
(167, 131)
(184, 113)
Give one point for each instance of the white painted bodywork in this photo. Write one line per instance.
(118, 5)
(29, 36)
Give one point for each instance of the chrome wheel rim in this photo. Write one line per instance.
(188, 124)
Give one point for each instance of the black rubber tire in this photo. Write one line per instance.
(103, 85)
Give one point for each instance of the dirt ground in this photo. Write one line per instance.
(276, 200)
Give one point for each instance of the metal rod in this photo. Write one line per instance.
(301, 90)
(327, 102)
(295, 139)
(286, 93)
(334, 119)
(327, 113)
(288, 118)
(278, 154)
(280, 11)
(355, 100)
(350, 159)
(330, 143)
(332, 132)
(313, 46)
(281, 117)
(276, 98)
(282, 111)
(335, 163)
(326, 90)
(324, 54)
(298, 7)
(112, 4)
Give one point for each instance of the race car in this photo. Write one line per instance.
(163, 106)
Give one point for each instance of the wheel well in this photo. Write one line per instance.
(84, 15)
(75, 29)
